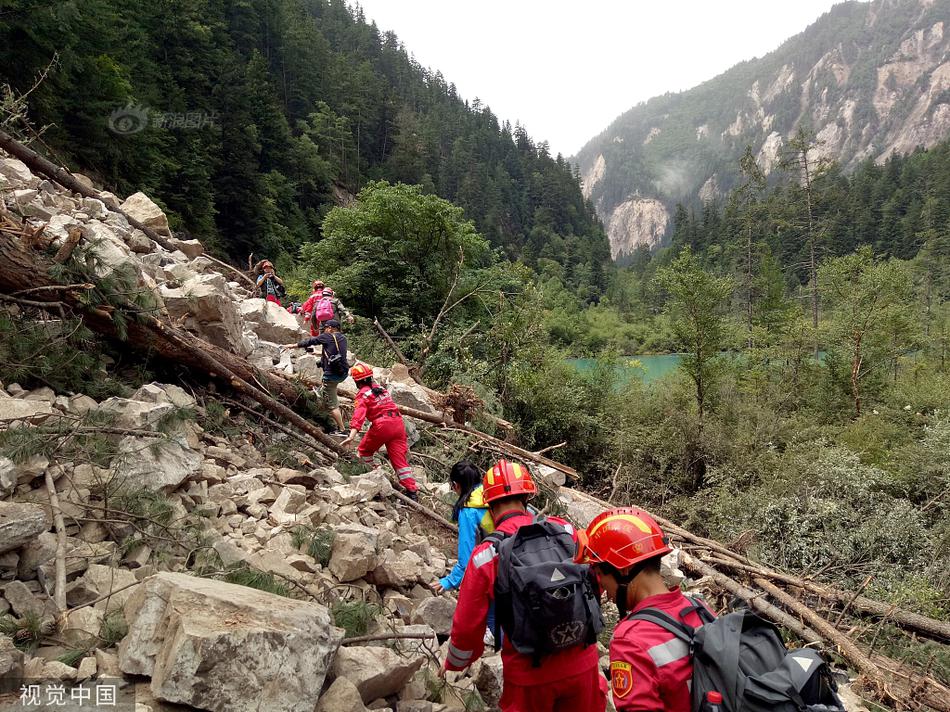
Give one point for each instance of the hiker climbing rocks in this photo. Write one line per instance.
(333, 361)
(271, 286)
(474, 520)
(549, 651)
(672, 654)
(321, 306)
(650, 668)
(374, 403)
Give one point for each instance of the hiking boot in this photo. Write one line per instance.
(414, 496)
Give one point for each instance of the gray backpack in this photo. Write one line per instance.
(544, 602)
(742, 657)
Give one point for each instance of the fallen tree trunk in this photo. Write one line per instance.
(845, 646)
(754, 600)
(146, 332)
(929, 627)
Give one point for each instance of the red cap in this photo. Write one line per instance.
(714, 697)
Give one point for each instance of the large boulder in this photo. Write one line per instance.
(190, 248)
(17, 173)
(28, 411)
(204, 306)
(220, 646)
(133, 414)
(156, 464)
(353, 554)
(99, 581)
(111, 252)
(164, 393)
(271, 322)
(376, 672)
(342, 696)
(398, 570)
(436, 612)
(11, 664)
(21, 523)
(140, 207)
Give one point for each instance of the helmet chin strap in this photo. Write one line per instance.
(621, 600)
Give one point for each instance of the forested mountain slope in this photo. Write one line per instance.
(868, 79)
(246, 117)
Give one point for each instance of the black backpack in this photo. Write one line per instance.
(742, 657)
(544, 602)
(337, 364)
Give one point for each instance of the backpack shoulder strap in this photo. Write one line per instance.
(705, 615)
(666, 622)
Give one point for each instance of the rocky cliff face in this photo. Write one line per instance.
(869, 79)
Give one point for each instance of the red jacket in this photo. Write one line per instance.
(650, 668)
(369, 406)
(471, 615)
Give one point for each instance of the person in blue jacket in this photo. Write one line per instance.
(474, 520)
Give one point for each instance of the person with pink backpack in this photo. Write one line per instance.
(322, 306)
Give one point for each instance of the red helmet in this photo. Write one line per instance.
(318, 284)
(361, 371)
(327, 292)
(506, 479)
(621, 537)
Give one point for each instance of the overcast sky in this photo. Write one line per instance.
(566, 68)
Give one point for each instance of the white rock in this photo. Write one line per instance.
(87, 669)
(98, 581)
(156, 464)
(11, 662)
(28, 411)
(16, 172)
(21, 523)
(308, 368)
(191, 248)
(398, 570)
(164, 393)
(82, 626)
(204, 306)
(140, 207)
(271, 322)
(80, 404)
(134, 414)
(94, 208)
(437, 612)
(376, 672)
(341, 696)
(353, 553)
(219, 646)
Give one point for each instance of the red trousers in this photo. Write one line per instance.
(272, 298)
(586, 692)
(391, 432)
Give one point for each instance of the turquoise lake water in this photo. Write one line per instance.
(645, 368)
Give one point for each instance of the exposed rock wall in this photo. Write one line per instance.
(878, 84)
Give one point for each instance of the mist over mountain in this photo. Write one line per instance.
(869, 79)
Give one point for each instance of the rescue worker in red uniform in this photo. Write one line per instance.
(650, 668)
(374, 403)
(566, 681)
